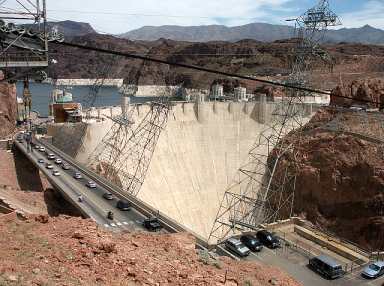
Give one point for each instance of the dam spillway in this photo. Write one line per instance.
(195, 160)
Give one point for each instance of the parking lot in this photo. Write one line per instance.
(295, 264)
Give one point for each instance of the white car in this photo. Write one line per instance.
(58, 161)
(77, 175)
(51, 156)
(91, 184)
(56, 173)
(42, 149)
(49, 166)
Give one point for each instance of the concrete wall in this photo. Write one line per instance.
(196, 158)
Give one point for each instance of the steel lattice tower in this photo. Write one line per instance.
(264, 189)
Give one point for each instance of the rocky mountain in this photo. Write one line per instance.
(256, 31)
(71, 28)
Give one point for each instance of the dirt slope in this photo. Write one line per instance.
(71, 251)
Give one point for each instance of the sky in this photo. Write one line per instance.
(119, 16)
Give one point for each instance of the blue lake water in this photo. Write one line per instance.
(106, 96)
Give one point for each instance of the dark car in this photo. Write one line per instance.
(251, 242)
(152, 224)
(326, 266)
(66, 167)
(41, 161)
(123, 205)
(108, 196)
(268, 239)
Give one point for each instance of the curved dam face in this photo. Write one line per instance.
(196, 158)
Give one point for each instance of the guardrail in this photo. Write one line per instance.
(143, 208)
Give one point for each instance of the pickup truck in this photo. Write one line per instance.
(152, 224)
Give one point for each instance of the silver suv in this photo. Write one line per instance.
(237, 247)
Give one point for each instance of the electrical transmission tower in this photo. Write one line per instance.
(264, 189)
(125, 153)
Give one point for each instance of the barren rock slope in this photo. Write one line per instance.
(72, 251)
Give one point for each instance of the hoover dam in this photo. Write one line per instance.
(196, 157)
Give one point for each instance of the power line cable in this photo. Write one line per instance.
(193, 67)
(199, 68)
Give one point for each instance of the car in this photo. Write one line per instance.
(268, 239)
(374, 270)
(58, 161)
(56, 173)
(42, 149)
(108, 196)
(123, 205)
(152, 224)
(51, 156)
(77, 175)
(236, 246)
(41, 161)
(65, 166)
(91, 184)
(37, 147)
(49, 166)
(326, 266)
(251, 242)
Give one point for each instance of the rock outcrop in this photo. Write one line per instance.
(74, 251)
(8, 109)
(340, 177)
(369, 93)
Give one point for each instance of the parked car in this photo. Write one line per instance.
(236, 246)
(251, 242)
(42, 149)
(152, 224)
(268, 239)
(108, 196)
(51, 156)
(58, 161)
(49, 166)
(56, 173)
(326, 266)
(123, 205)
(77, 175)
(91, 184)
(41, 161)
(374, 270)
(66, 166)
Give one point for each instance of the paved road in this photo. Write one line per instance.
(295, 265)
(94, 205)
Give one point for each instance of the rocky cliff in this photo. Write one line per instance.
(8, 109)
(368, 93)
(340, 175)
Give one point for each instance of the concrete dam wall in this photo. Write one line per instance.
(197, 156)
